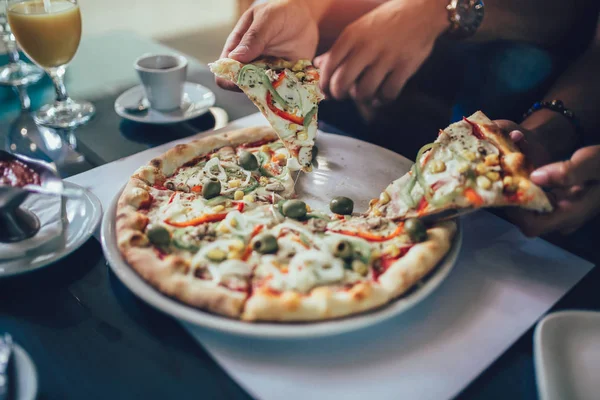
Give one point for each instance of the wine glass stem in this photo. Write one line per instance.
(57, 75)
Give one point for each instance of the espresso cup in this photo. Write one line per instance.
(163, 77)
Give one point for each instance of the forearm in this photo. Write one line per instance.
(579, 89)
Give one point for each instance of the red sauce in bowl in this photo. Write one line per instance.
(15, 173)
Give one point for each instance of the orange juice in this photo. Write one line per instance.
(47, 31)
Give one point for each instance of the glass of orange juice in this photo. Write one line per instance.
(49, 31)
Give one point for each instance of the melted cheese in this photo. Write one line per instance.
(306, 270)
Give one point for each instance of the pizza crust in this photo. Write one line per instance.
(328, 302)
(321, 303)
(420, 260)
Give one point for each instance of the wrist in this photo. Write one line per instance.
(438, 15)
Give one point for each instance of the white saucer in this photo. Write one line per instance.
(25, 379)
(83, 216)
(567, 356)
(197, 99)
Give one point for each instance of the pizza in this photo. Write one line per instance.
(288, 95)
(472, 164)
(209, 225)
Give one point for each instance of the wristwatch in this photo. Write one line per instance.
(465, 17)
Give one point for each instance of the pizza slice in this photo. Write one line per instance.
(288, 95)
(472, 164)
(319, 268)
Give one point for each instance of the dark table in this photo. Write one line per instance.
(93, 339)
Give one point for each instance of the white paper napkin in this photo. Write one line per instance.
(48, 210)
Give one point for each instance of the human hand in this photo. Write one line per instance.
(376, 54)
(575, 186)
(535, 151)
(280, 28)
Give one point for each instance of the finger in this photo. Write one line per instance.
(583, 167)
(253, 42)
(346, 74)
(507, 126)
(236, 35)
(516, 136)
(332, 59)
(392, 85)
(369, 82)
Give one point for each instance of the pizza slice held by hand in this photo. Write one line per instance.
(472, 164)
(287, 93)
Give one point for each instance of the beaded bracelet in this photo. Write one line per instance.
(559, 107)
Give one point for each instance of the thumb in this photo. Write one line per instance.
(252, 44)
(583, 167)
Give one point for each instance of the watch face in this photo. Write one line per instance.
(469, 14)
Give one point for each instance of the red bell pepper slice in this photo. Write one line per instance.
(371, 237)
(198, 221)
(280, 113)
(474, 197)
(476, 129)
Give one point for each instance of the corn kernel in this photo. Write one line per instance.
(483, 182)
(481, 168)
(509, 184)
(299, 66)
(360, 267)
(263, 180)
(237, 245)
(302, 136)
(308, 209)
(234, 183)
(249, 198)
(384, 198)
(523, 184)
(233, 222)
(265, 148)
(293, 127)
(493, 176)
(238, 195)
(216, 255)
(469, 155)
(437, 166)
(462, 168)
(492, 160)
(300, 75)
(377, 212)
(222, 228)
(218, 208)
(281, 157)
(391, 250)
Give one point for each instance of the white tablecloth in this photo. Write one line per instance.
(501, 285)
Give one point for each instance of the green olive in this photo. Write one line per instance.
(265, 244)
(158, 235)
(416, 229)
(211, 188)
(248, 161)
(341, 205)
(343, 249)
(295, 209)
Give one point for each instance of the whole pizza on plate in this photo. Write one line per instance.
(215, 223)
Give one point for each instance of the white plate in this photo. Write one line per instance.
(345, 166)
(567, 356)
(197, 99)
(83, 216)
(24, 379)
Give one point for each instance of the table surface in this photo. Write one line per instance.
(91, 338)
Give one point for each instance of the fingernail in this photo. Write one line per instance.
(539, 176)
(516, 136)
(240, 49)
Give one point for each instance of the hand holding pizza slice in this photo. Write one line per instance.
(472, 164)
(287, 93)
